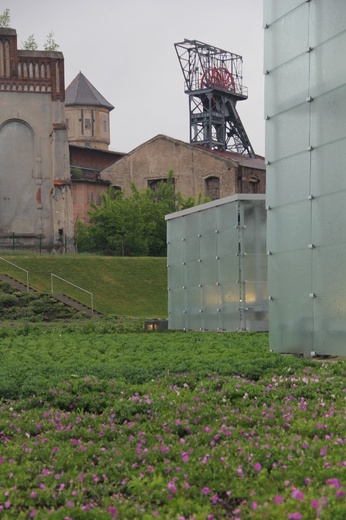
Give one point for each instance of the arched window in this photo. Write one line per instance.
(212, 187)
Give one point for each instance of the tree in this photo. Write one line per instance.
(5, 18)
(51, 44)
(134, 225)
(30, 44)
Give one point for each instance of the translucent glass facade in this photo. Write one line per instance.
(217, 266)
(305, 109)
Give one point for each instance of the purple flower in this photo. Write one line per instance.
(258, 466)
(278, 499)
(113, 511)
(172, 487)
(295, 516)
(297, 494)
(206, 491)
(254, 505)
(333, 482)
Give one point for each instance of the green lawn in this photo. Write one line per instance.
(120, 286)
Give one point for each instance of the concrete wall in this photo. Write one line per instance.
(35, 189)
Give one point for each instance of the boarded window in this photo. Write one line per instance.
(212, 187)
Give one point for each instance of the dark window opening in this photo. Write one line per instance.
(212, 187)
(153, 184)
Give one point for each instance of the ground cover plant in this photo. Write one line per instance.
(32, 306)
(100, 425)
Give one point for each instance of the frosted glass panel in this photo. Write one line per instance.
(229, 295)
(291, 325)
(192, 248)
(193, 321)
(176, 300)
(193, 274)
(176, 276)
(255, 267)
(330, 325)
(193, 299)
(329, 276)
(274, 9)
(229, 320)
(175, 230)
(227, 242)
(289, 180)
(278, 95)
(328, 116)
(325, 74)
(192, 226)
(227, 215)
(287, 134)
(211, 298)
(328, 168)
(208, 245)
(210, 321)
(289, 227)
(327, 20)
(176, 252)
(281, 286)
(176, 321)
(228, 268)
(208, 220)
(256, 295)
(280, 45)
(209, 271)
(254, 235)
(328, 215)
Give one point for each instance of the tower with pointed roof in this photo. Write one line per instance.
(87, 115)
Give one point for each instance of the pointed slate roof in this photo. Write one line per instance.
(81, 92)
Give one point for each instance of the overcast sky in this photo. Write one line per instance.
(126, 50)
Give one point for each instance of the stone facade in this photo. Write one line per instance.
(197, 170)
(35, 187)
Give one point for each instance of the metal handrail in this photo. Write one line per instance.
(21, 268)
(74, 285)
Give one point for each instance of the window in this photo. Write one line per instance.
(212, 187)
(153, 183)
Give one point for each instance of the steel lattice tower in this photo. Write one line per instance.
(214, 83)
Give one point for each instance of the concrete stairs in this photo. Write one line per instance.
(75, 304)
(20, 286)
(67, 300)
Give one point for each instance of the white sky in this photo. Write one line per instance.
(126, 50)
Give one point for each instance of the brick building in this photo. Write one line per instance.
(87, 118)
(197, 169)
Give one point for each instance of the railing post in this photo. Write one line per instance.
(51, 283)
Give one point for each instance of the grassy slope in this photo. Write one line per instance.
(121, 286)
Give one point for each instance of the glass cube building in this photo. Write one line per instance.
(217, 266)
(305, 109)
